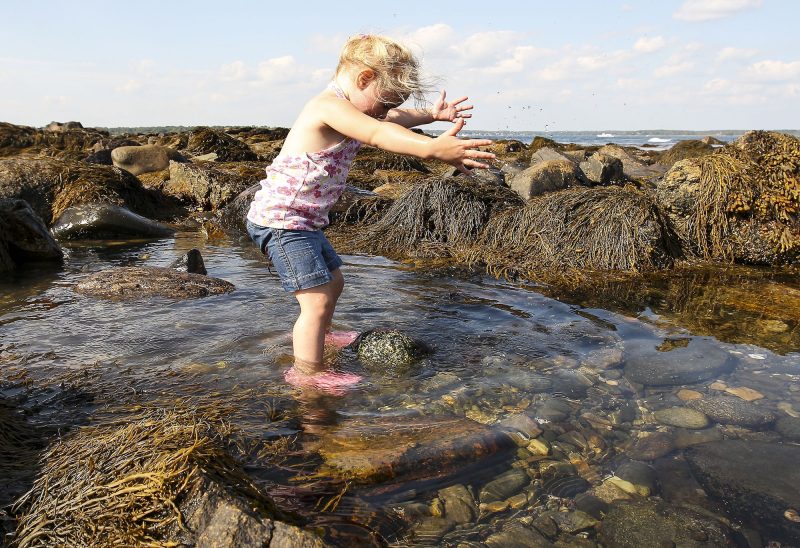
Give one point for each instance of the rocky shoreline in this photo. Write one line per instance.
(628, 446)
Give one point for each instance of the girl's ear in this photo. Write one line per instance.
(364, 78)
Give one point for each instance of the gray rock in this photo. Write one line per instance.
(652, 522)
(652, 447)
(106, 221)
(211, 185)
(191, 262)
(733, 410)
(638, 473)
(144, 158)
(459, 505)
(700, 360)
(234, 215)
(574, 522)
(682, 417)
(789, 428)
(505, 485)
(687, 438)
(602, 169)
(633, 167)
(127, 283)
(553, 410)
(24, 236)
(545, 177)
(758, 482)
(547, 154)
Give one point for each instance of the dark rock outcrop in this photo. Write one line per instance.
(758, 483)
(211, 185)
(105, 221)
(24, 236)
(204, 140)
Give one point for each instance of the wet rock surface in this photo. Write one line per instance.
(699, 360)
(389, 352)
(106, 221)
(24, 236)
(758, 482)
(137, 282)
(656, 523)
(733, 410)
(682, 417)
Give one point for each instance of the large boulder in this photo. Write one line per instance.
(682, 150)
(547, 154)
(678, 191)
(211, 185)
(545, 176)
(138, 282)
(603, 169)
(633, 167)
(144, 158)
(24, 236)
(105, 221)
(758, 482)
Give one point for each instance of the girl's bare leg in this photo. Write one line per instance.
(317, 305)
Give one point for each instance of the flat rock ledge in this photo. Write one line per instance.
(135, 282)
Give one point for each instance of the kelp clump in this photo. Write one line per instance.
(125, 483)
(560, 234)
(433, 218)
(741, 203)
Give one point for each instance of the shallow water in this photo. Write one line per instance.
(499, 348)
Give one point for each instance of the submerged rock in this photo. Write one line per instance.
(698, 361)
(136, 282)
(682, 417)
(105, 221)
(24, 236)
(733, 410)
(758, 482)
(652, 522)
(373, 450)
(505, 485)
(389, 352)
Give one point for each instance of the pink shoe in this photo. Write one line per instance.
(326, 381)
(340, 339)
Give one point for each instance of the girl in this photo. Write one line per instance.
(374, 77)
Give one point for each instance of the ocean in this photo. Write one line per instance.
(652, 139)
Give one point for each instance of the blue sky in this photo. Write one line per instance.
(580, 65)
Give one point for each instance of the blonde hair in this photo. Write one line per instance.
(396, 68)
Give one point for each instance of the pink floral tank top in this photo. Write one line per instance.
(300, 189)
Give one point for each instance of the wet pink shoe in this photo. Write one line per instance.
(326, 381)
(340, 339)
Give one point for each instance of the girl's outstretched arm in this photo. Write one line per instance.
(442, 111)
(347, 120)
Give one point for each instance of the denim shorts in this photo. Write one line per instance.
(303, 258)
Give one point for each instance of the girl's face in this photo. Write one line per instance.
(373, 101)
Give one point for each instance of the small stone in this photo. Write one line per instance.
(788, 408)
(608, 492)
(654, 446)
(684, 394)
(629, 487)
(789, 428)
(437, 508)
(682, 417)
(687, 438)
(539, 447)
(546, 526)
(431, 530)
(747, 394)
(494, 507)
(718, 385)
(574, 522)
(521, 423)
(505, 485)
(518, 501)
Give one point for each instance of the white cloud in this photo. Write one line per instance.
(673, 68)
(735, 54)
(708, 10)
(130, 86)
(774, 70)
(649, 45)
(277, 69)
(431, 40)
(234, 72)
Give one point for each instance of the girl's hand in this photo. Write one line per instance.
(461, 153)
(443, 111)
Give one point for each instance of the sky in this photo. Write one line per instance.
(526, 66)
